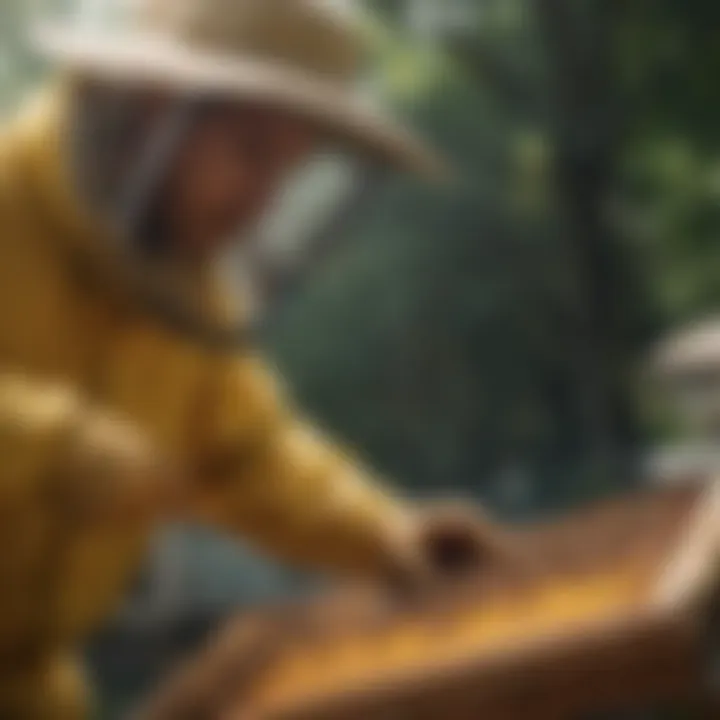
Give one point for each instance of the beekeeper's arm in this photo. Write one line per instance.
(271, 477)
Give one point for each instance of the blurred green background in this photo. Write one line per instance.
(486, 338)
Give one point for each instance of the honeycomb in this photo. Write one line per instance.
(427, 643)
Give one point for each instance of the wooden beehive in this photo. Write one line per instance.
(615, 609)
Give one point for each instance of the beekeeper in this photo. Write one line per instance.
(129, 394)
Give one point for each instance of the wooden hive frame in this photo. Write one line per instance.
(649, 647)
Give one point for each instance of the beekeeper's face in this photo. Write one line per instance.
(230, 167)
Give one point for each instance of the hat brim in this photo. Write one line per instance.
(151, 60)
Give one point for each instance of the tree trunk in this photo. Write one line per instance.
(585, 130)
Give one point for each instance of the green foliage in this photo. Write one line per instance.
(447, 342)
(668, 63)
(442, 341)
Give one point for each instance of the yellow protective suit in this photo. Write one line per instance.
(90, 390)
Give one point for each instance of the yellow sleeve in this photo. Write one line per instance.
(270, 476)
